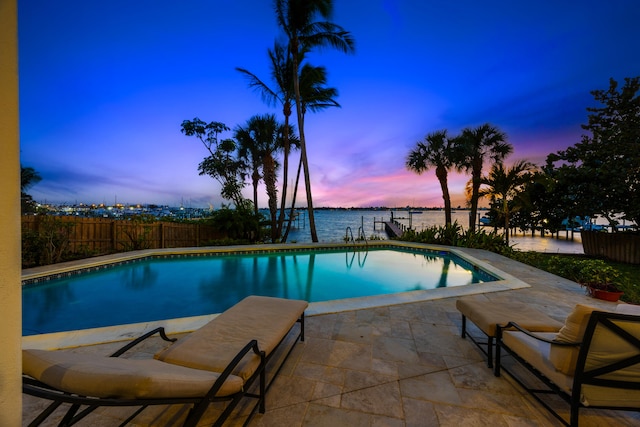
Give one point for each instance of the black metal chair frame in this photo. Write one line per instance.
(200, 404)
(581, 376)
(485, 347)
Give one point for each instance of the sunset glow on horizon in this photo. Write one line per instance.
(104, 87)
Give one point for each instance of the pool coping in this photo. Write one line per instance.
(68, 339)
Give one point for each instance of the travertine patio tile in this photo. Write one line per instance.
(327, 391)
(287, 390)
(427, 363)
(435, 387)
(357, 332)
(455, 416)
(350, 355)
(317, 350)
(395, 349)
(470, 357)
(288, 416)
(435, 339)
(320, 326)
(314, 371)
(385, 367)
(477, 376)
(356, 380)
(327, 416)
(382, 399)
(418, 413)
(380, 421)
(503, 403)
(515, 421)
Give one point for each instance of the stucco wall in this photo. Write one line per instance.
(10, 292)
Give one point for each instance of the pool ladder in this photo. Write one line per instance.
(348, 236)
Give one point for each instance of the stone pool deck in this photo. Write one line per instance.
(395, 365)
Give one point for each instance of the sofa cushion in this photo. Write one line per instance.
(114, 377)
(213, 346)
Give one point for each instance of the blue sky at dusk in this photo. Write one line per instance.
(105, 85)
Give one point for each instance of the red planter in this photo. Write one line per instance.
(607, 295)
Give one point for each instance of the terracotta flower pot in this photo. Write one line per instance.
(612, 296)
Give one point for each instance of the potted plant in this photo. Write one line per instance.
(600, 280)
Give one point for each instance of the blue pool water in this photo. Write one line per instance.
(166, 288)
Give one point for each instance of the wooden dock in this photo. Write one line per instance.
(392, 229)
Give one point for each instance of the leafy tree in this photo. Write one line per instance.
(221, 164)
(504, 185)
(435, 151)
(240, 225)
(601, 173)
(297, 20)
(28, 178)
(473, 148)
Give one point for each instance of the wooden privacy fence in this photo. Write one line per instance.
(621, 247)
(105, 235)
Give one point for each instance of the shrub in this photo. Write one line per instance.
(454, 235)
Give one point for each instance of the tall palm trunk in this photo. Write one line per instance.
(286, 110)
(270, 183)
(441, 174)
(476, 176)
(293, 202)
(505, 208)
(303, 144)
(255, 178)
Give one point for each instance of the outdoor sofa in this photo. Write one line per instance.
(218, 362)
(592, 362)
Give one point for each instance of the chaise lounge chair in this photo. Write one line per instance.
(593, 361)
(218, 362)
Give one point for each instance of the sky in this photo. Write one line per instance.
(105, 86)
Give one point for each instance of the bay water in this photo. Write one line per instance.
(332, 225)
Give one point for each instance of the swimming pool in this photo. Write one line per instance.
(183, 285)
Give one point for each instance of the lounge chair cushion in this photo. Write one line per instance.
(114, 377)
(213, 346)
(537, 353)
(606, 348)
(631, 309)
(487, 314)
(565, 358)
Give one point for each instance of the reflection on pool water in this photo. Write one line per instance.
(156, 288)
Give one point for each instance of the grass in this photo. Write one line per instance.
(583, 269)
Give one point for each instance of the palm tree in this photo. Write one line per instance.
(436, 152)
(473, 147)
(260, 139)
(503, 185)
(249, 148)
(297, 20)
(315, 96)
(282, 93)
